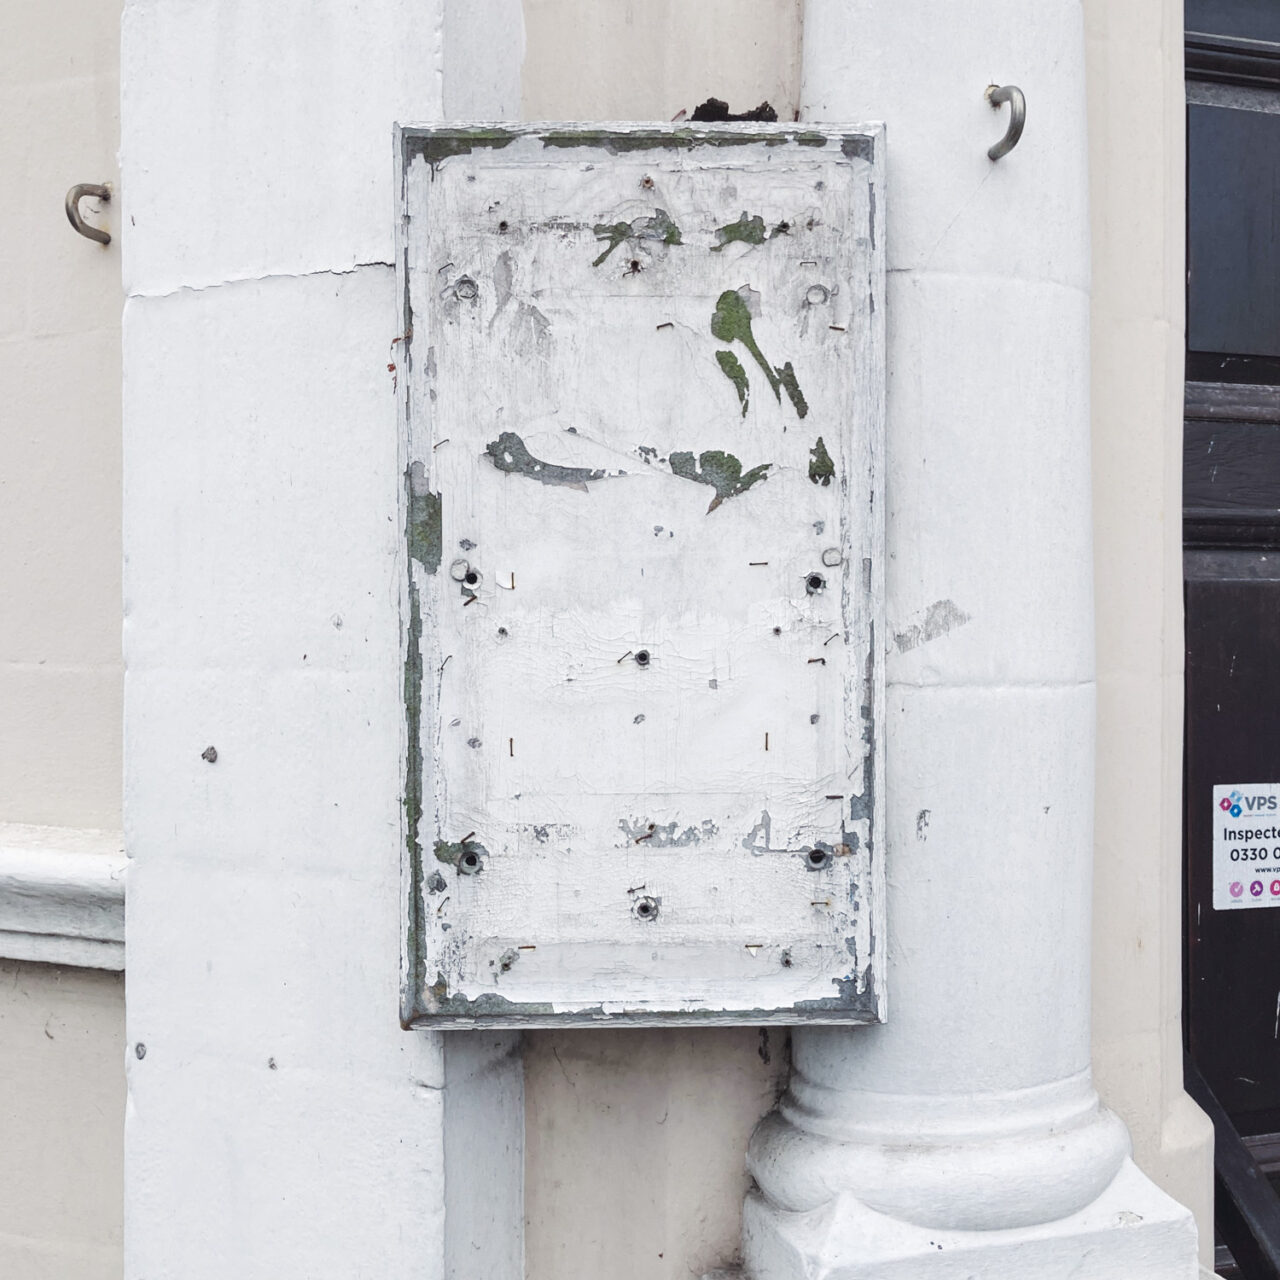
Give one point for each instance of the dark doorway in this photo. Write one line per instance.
(1231, 499)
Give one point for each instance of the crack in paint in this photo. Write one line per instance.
(722, 471)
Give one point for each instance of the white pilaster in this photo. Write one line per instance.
(279, 1121)
(965, 1137)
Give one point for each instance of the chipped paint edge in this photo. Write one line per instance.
(434, 144)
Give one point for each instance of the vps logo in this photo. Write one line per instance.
(1236, 888)
(1236, 804)
(1256, 888)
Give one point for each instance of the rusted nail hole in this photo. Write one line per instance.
(471, 577)
(469, 863)
(642, 658)
(647, 182)
(817, 858)
(786, 959)
(647, 909)
(814, 583)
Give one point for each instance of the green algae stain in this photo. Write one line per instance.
(722, 471)
(746, 230)
(441, 146)
(509, 453)
(731, 322)
(732, 369)
(661, 228)
(821, 469)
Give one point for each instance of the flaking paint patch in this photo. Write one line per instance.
(451, 851)
(424, 534)
(413, 806)
(659, 228)
(731, 322)
(939, 618)
(666, 835)
(821, 469)
(732, 369)
(509, 453)
(722, 471)
(748, 229)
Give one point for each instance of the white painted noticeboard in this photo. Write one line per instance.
(1246, 845)
(644, 384)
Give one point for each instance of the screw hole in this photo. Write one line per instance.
(471, 578)
(642, 658)
(777, 631)
(817, 858)
(814, 583)
(503, 633)
(646, 182)
(646, 909)
(502, 226)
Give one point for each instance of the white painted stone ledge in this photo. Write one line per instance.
(62, 896)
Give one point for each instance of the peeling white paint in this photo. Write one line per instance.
(930, 624)
(650, 412)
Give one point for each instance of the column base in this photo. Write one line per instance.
(1132, 1231)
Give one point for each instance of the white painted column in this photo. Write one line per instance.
(965, 1136)
(279, 1122)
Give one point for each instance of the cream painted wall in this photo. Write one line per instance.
(1136, 150)
(60, 668)
(61, 1106)
(625, 60)
(61, 1030)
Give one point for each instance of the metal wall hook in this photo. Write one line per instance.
(1010, 93)
(100, 191)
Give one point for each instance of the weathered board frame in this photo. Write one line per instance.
(839, 978)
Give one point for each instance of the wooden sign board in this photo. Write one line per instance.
(644, 383)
